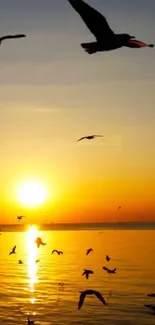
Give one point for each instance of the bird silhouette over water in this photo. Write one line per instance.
(90, 137)
(20, 262)
(90, 292)
(107, 258)
(30, 322)
(106, 39)
(108, 270)
(87, 273)
(56, 251)
(39, 242)
(89, 251)
(13, 251)
(20, 218)
(3, 38)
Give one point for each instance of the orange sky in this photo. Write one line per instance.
(52, 93)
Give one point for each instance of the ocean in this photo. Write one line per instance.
(48, 291)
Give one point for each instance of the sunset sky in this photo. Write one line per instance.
(52, 93)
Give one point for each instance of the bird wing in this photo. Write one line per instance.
(14, 248)
(94, 20)
(61, 252)
(82, 139)
(84, 273)
(88, 251)
(105, 268)
(87, 275)
(12, 36)
(81, 299)
(99, 296)
(97, 136)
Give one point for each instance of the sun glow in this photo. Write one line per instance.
(32, 193)
(32, 257)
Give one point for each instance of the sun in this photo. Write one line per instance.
(32, 193)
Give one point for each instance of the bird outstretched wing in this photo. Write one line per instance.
(81, 299)
(14, 248)
(81, 139)
(100, 297)
(94, 20)
(54, 251)
(12, 36)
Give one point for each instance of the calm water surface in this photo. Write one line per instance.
(49, 291)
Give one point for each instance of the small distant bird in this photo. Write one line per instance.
(90, 137)
(37, 261)
(119, 207)
(90, 292)
(11, 37)
(106, 39)
(20, 218)
(107, 258)
(30, 322)
(20, 262)
(152, 307)
(39, 242)
(151, 295)
(13, 251)
(56, 251)
(89, 250)
(87, 272)
(108, 270)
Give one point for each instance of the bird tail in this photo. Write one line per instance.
(90, 48)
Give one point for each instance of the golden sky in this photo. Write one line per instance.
(52, 93)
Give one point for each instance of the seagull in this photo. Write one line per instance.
(39, 242)
(89, 250)
(90, 137)
(11, 37)
(107, 258)
(30, 322)
(108, 270)
(87, 272)
(90, 292)
(151, 295)
(20, 262)
(151, 307)
(119, 207)
(106, 39)
(13, 251)
(20, 218)
(56, 251)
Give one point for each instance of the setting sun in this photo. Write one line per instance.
(32, 193)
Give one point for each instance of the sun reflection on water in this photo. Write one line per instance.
(32, 257)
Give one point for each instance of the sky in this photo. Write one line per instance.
(52, 93)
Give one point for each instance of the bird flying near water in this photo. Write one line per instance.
(20, 218)
(90, 292)
(89, 250)
(56, 251)
(108, 270)
(13, 251)
(20, 262)
(87, 273)
(39, 242)
(106, 39)
(107, 258)
(11, 37)
(90, 137)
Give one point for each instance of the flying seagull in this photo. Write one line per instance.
(30, 322)
(56, 251)
(11, 37)
(20, 218)
(20, 262)
(13, 251)
(87, 272)
(106, 39)
(90, 292)
(39, 242)
(107, 258)
(90, 137)
(89, 250)
(108, 270)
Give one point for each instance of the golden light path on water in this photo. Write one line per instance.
(32, 257)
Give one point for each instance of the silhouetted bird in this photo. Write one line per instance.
(11, 37)
(108, 270)
(30, 322)
(106, 39)
(39, 242)
(152, 307)
(87, 272)
(119, 207)
(151, 295)
(90, 137)
(20, 218)
(89, 250)
(13, 251)
(107, 258)
(20, 262)
(56, 251)
(90, 292)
